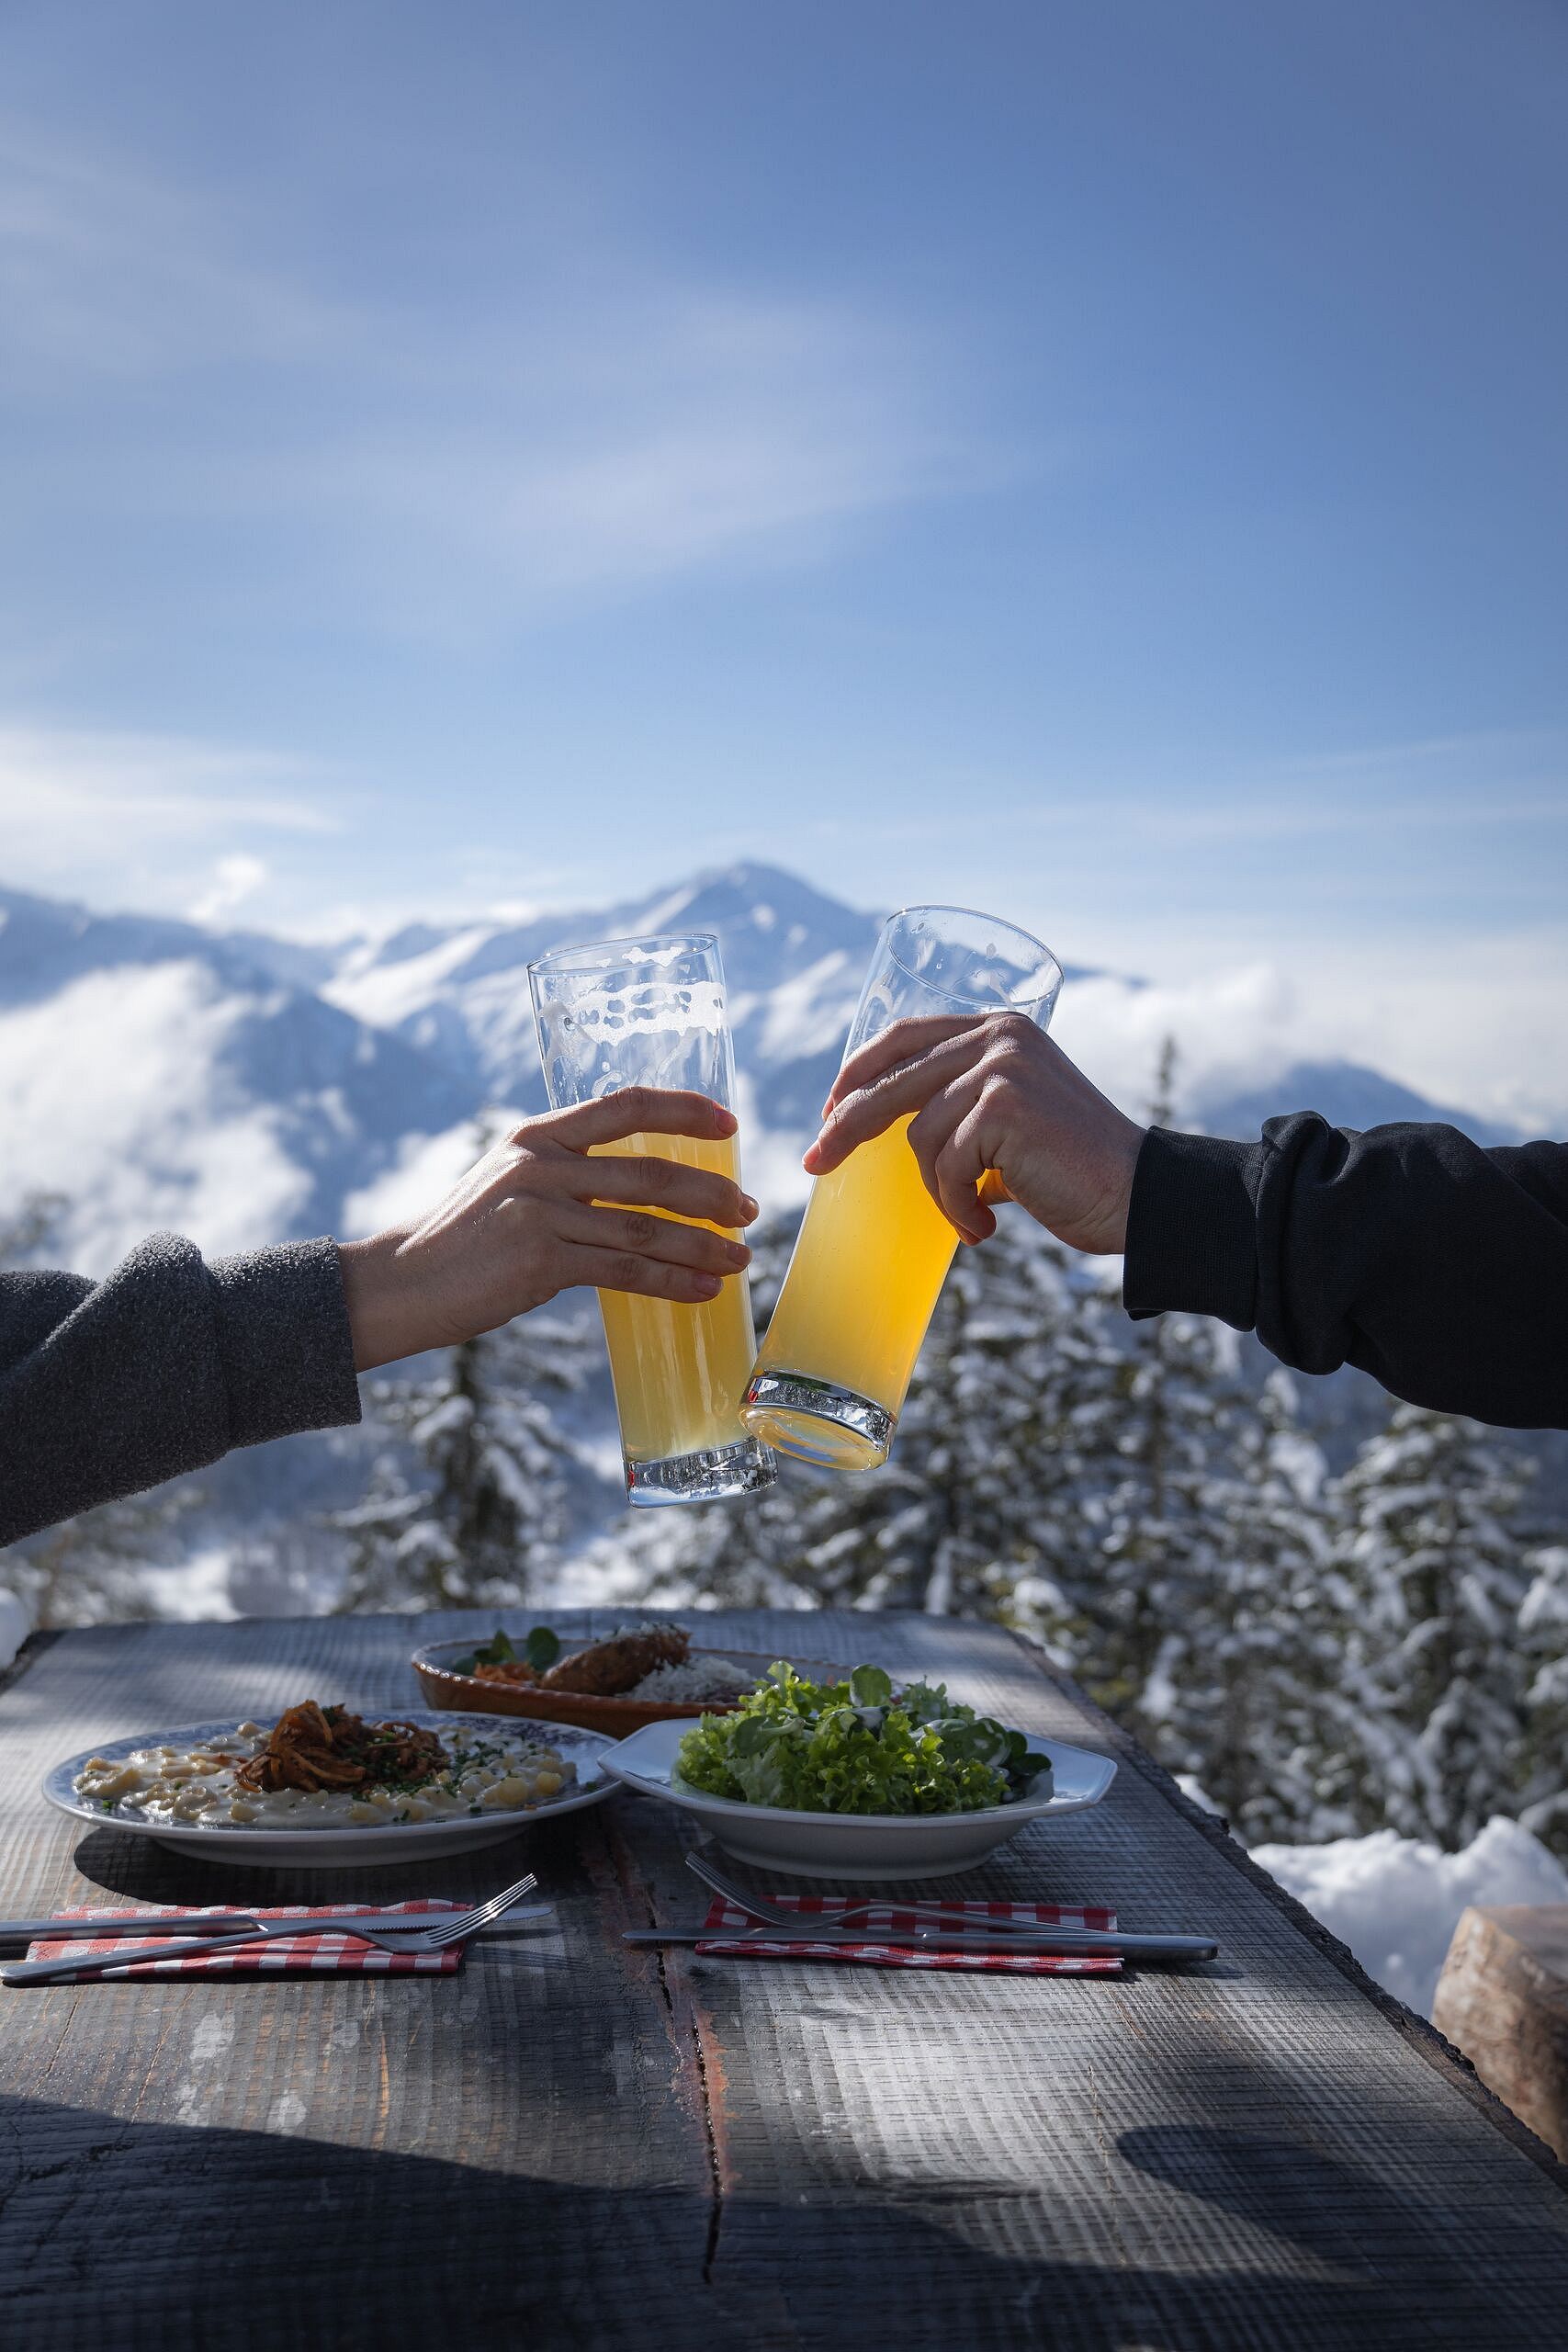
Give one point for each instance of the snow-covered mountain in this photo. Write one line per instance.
(244, 1088)
(154, 1074)
(793, 960)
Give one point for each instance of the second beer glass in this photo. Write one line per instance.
(874, 1249)
(651, 1012)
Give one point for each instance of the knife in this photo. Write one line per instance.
(209, 1923)
(1058, 1943)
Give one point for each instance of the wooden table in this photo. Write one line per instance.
(570, 2143)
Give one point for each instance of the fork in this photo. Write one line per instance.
(933, 1913)
(450, 1928)
(943, 1919)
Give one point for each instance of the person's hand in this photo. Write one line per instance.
(992, 1100)
(535, 1216)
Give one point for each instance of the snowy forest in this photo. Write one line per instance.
(1324, 1656)
(1322, 1653)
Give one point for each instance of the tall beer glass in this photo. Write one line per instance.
(651, 1012)
(874, 1249)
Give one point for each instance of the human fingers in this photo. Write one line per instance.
(931, 1134)
(648, 1182)
(957, 1173)
(906, 1087)
(900, 1042)
(629, 1269)
(631, 1111)
(642, 1235)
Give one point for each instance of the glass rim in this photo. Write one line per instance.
(605, 955)
(953, 995)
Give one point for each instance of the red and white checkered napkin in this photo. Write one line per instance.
(883, 1950)
(278, 1956)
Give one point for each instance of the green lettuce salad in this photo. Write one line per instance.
(857, 1746)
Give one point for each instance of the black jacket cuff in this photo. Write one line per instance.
(1192, 1229)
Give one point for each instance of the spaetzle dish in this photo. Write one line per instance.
(325, 1768)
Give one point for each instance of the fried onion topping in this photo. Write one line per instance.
(313, 1747)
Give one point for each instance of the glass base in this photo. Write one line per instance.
(819, 1421)
(717, 1470)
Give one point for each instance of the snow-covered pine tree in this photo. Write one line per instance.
(97, 1568)
(959, 1511)
(1543, 1635)
(1431, 1705)
(952, 1520)
(482, 1512)
(1267, 1636)
(1163, 1574)
(1142, 1414)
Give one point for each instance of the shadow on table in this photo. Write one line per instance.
(123, 2233)
(143, 1871)
(1343, 2215)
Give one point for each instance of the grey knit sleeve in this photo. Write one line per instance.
(110, 1387)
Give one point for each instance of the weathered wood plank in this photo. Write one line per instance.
(600, 2146)
(292, 2161)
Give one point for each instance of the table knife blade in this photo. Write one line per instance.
(1059, 1943)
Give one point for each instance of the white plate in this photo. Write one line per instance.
(355, 1849)
(857, 1844)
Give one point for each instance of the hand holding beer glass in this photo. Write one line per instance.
(874, 1248)
(651, 1012)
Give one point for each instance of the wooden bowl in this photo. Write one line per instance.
(467, 1694)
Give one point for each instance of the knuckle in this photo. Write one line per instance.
(655, 1175)
(634, 1101)
(626, 1271)
(639, 1229)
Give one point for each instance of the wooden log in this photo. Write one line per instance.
(1503, 1998)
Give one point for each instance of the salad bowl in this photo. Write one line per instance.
(858, 1845)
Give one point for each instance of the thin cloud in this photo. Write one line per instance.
(454, 471)
(662, 437)
(1384, 758)
(127, 815)
(234, 879)
(108, 271)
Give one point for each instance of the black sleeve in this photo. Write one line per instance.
(108, 1389)
(1439, 1268)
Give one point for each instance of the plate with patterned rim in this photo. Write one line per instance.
(343, 1846)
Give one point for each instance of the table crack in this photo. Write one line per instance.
(685, 2032)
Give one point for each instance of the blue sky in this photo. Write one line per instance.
(1104, 461)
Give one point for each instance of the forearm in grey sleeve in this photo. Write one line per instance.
(1408, 1250)
(108, 1388)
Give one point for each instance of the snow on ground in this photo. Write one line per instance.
(196, 1590)
(1397, 1901)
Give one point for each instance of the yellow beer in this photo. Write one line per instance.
(679, 1372)
(874, 1249)
(868, 1268)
